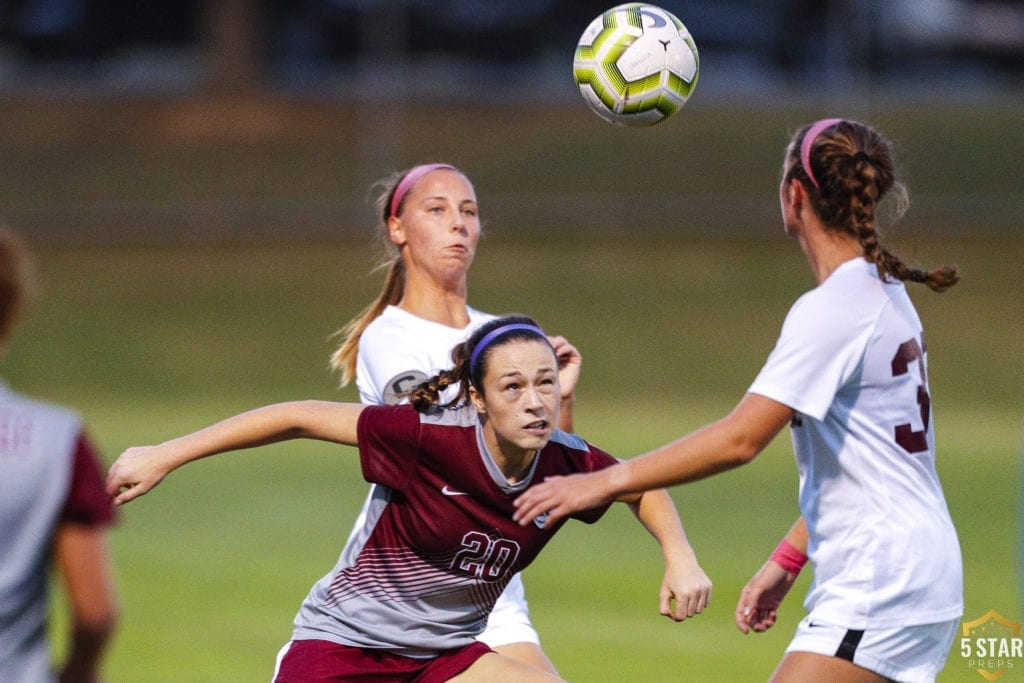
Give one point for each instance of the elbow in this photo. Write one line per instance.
(741, 453)
(99, 624)
(745, 454)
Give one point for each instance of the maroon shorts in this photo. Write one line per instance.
(310, 661)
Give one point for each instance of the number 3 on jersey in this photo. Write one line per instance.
(908, 352)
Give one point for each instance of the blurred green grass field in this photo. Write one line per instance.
(213, 565)
(660, 257)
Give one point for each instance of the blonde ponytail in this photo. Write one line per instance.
(343, 360)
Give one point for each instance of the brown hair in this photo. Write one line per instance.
(17, 281)
(467, 371)
(854, 167)
(344, 358)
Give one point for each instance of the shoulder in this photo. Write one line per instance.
(851, 299)
(38, 409)
(405, 415)
(583, 455)
(391, 323)
(478, 318)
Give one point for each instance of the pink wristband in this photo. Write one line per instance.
(788, 557)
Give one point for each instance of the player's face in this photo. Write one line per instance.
(520, 400)
(439, 226)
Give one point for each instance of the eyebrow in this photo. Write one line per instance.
(442, 198)
(520, 373)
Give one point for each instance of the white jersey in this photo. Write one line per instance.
(851, 362)
(397, 351)
(49, 476)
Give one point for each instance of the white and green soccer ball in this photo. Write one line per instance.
(636, 64)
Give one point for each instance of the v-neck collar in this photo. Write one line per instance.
(497, 476)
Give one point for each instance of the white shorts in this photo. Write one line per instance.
(910, 654)
(509, 621)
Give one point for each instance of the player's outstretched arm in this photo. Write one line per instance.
(139, 469)
(685, 589)
(730, 442)
(758, 606)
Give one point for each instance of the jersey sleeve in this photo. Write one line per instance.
(87, 502)
(820, 347)
(595, 460)
(389, 439)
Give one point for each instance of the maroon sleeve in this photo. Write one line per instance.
(389, 439)
(87, 502)
(596, 459)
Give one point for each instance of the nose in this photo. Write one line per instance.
(533, 402)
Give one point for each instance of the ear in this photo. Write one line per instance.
(478, 400)
(796, 195)
(396, 232)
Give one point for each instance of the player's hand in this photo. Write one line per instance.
(685, 590)
(135, 472)
(760, 599)
(569, 363)
(559, 497)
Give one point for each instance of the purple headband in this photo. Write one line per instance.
(805, 146)
(410, 179)
(493, 334)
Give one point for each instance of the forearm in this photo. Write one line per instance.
(696, 456)
(83, 561)
(797, 535)
(565, 414)
(139, 469)
(723, 445)
(657, 512)
(263, 426)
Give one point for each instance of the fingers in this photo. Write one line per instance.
(539, 502)
(750, 618)
(131, 476)
(741, 615)
(566, 353)
(121, 488)
(688, 603)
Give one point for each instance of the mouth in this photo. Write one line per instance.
(538, 427)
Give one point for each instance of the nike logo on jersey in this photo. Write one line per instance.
(541, 520)
(450, 492)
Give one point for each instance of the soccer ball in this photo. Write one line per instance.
(636, 65)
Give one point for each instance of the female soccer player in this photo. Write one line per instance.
(413, 587)
(849, 375)
(54, 515)
(430, 218)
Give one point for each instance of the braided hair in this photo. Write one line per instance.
(469, 361)
(849, 169)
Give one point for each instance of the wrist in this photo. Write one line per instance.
(789, 557)
(614, 482)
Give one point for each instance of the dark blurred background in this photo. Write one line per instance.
(171, 120)
(314, 46)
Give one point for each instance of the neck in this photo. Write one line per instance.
(826, 250)
(513, 462)
(441, 303)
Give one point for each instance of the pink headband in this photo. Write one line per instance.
(805, 146)
(410, 179)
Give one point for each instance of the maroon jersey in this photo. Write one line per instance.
(439, 544)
